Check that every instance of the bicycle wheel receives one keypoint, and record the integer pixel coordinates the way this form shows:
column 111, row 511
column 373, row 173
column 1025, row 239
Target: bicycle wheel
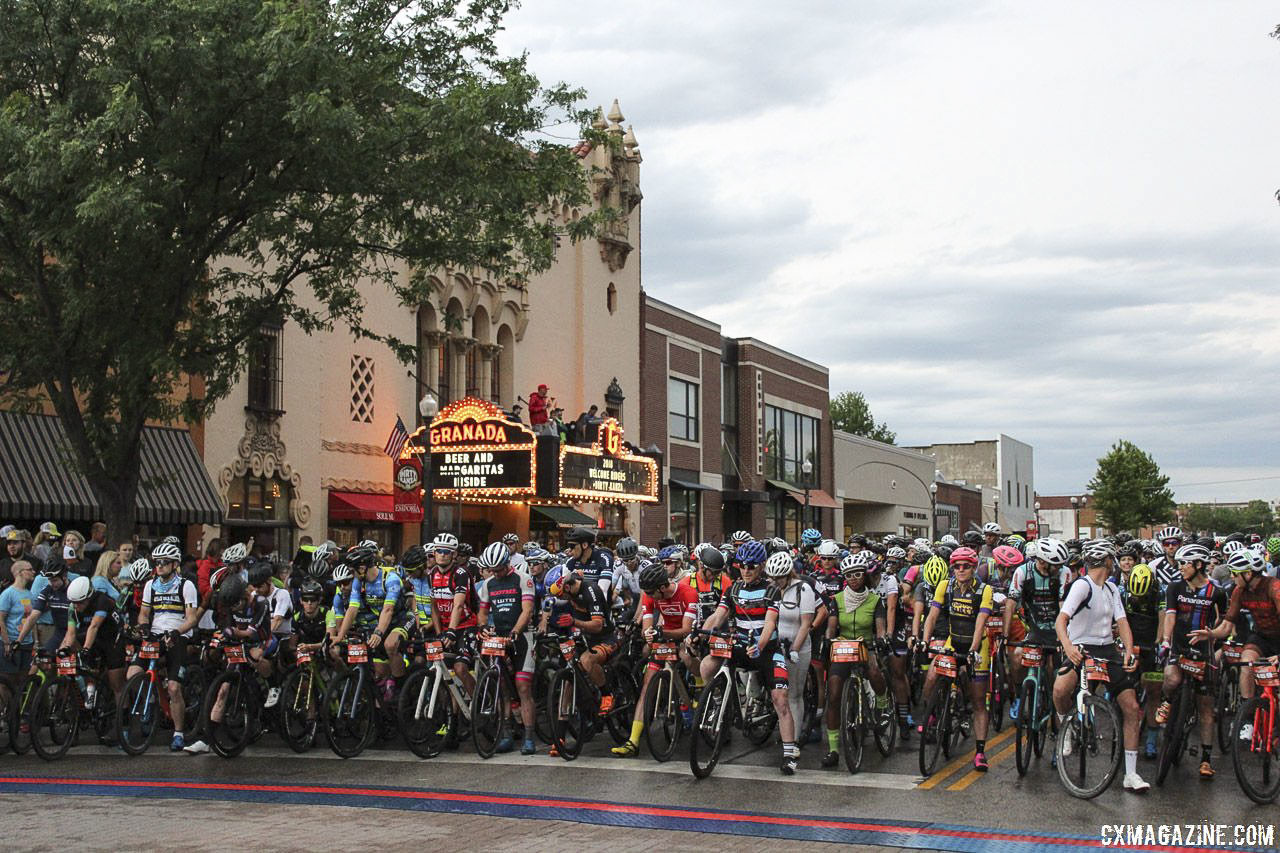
column 1096, row 752
column 542, row 675
column 709, row 726
column 1024, row 735
column 230, row 735
column 102, row 714
column 490, row 707
column 347, row 714
column 570, row 719
column 852, row 723
column 20, row 712
column 884, row 728
column 625, row 696
column 811, row 723
column 996, row 694
column 663, row 722
column 1226, row 704
column 195, row 685
column 1257, row 762
column 931, row 735
column 1172, row 737
column 301, row 695
column 759, row 719
column 138, row 714
column 55, row 717
column 423, row 727
column 949, row 718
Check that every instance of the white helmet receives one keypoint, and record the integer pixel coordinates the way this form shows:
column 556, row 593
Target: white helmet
column 1231, row 547
column 991, row 527
column 828, row 548
column 1191, row 554
column 166, row 551
column 779, row 564
column 341, row 573
column 79, row 590
column 895, row 553
column 1052, row 551
column 1170, row 532
column 445, row 542
column 861, row 560
column 948, row 539
column 494, row 555
column 1097, row 550
column 1246, row 560
column 237, row 553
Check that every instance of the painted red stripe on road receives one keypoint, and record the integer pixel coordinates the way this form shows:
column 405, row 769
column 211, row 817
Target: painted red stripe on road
column 596, row 806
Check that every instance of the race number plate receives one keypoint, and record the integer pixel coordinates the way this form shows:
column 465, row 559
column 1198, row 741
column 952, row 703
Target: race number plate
column 566, row 649
column 304, row 657
column 995, row 624
column 235, row 653
column 946, row 665
column 1231, row 652
column 357, row 653
column 494, row 647
column 215, row 642
column 1032, row 655
column 150, row 650
column 66, row 666
column 846, row 651
column 1192, row 667
column 1267, row 676
column 1096, row 670
column 721, row 647
column 434, row 650
column 664, row 651
column 937, row 647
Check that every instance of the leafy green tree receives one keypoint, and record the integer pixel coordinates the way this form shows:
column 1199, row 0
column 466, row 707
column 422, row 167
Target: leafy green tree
column 1254, row 517
column 850, row 412
column 1129, row 490
column 175, row 173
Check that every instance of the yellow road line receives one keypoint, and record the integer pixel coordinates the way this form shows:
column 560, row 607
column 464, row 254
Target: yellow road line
column 956, row 764
column 976, row 774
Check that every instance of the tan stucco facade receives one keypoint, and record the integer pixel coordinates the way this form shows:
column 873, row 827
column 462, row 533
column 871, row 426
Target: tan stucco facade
column 881, row 488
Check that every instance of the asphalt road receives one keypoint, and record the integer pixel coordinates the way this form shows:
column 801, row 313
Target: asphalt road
column 511, row 801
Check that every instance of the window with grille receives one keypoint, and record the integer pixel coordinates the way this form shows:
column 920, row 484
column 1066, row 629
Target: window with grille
column 265, row 371
column 361, row 389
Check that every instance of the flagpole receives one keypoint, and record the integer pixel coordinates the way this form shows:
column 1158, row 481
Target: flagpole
column 428, row 406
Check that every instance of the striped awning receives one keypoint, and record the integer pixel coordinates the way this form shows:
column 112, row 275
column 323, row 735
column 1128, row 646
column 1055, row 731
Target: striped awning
column 37, row 480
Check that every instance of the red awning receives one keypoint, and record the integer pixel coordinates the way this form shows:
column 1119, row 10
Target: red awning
column 357, row 506
column 817, row 498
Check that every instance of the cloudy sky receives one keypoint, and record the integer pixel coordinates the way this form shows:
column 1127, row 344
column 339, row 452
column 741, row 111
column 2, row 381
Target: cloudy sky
column 1056, row 221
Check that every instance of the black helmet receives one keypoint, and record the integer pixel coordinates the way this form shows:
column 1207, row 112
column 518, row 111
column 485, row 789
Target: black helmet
column 465, row 551
column 414, row 558
column 361, row 555
column 581, row 534
column 652, row 577
column 627, row 548
column 259, row 573
column 712, row 558
column 1207, row 542
column 232, row 591
column 973, row 538
column 858, row 539
column 310, row 589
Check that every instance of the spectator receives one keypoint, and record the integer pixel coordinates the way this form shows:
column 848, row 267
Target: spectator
column 557, row 422
column 96, row 544
column 204, row 568
column 12, row 555
column 15, row 605
column 580, row 427
column 538, row 418
column 46, row 538
column 127, row 553
column 106, row 572
column 73, row 554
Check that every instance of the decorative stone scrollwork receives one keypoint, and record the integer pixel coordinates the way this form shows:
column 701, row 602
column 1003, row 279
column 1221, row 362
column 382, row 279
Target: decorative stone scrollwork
column 262, row 453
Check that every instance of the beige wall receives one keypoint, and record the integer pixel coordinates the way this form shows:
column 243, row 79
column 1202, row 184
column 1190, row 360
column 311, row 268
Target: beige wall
column 878, row 483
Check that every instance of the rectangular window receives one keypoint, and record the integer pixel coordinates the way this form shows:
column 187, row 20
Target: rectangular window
column 1008, row 492
column 473, row 371
column 791, row 439
column 265, row 370
column 682, row 408
column 685, row 516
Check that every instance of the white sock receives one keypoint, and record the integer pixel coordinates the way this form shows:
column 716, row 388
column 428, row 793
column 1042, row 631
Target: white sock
column 1130, row 762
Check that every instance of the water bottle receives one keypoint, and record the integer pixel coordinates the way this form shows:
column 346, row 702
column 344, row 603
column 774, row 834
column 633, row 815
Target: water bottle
column 90, row 694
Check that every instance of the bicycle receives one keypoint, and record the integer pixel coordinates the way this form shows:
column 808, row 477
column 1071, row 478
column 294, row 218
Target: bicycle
column 1257, row 751
column 1226, row 702
column 301, row 697
column 858, row 712
column 1095, row 732
column 947, row 718
column 999, row 683
column 491, row 700
column 574, row 701
column 142, row 706
column 666, row 701
column 74, row 696
column 1184, row 718
column 1035, row 714
column 351, row 708
column 238, row 690
column 549, row 658
column 433, row 704
column 729, row 699
column 20, row 705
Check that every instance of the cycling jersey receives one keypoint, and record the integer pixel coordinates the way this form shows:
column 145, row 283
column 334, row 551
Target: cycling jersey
column 504, row 598
column 312, row 629
column 924, row 593
column 797, row 600
column 169, row 601
column 709, row 593
column 1144, row 617
column 749, row 603
column 1263, row 604
column 1093, row 610
column 249, row 617
column 1166, row 571
column 370, row 596
column 1039, row 596
column 962, row 606
column 596, row 570
column 99, row 604
column 1193, row 609
column 444, row 586
column 683, row 602
column 422, row 595
column 856, row 620
column 280, row 604
column 591, row 600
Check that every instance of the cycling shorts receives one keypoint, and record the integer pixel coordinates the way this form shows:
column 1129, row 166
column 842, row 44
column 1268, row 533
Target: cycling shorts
column 770, row 665
column 111, row 648
column 961, row 647
column 604, row 645
column 1265, row 646
column 1120, row 680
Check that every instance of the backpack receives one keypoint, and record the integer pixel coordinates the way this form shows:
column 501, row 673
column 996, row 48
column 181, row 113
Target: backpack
column 1106, row 584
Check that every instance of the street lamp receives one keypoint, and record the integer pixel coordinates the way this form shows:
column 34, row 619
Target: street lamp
column 428, row 407
column 933, row 510
column 806, row 468
column 1037, row 506
column 1075, row 509
column 995, row 507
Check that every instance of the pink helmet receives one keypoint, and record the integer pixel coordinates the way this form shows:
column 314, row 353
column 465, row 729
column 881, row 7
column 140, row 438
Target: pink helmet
column 964, row 555
column 1005, row 556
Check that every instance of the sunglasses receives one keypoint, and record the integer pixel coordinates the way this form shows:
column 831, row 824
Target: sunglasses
column 670, row 562
column 306, row 600
column 854, row 574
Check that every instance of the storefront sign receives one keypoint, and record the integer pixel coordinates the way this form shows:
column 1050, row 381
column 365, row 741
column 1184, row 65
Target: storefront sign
column 476, row 452
column 407, row 489
column 607, row 470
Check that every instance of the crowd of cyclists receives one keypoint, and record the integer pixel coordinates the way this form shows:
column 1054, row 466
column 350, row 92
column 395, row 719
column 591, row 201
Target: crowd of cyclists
column 919, row 643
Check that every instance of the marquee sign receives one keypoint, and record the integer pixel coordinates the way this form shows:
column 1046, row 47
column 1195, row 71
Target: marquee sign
column 476, row 451
column 607, row 470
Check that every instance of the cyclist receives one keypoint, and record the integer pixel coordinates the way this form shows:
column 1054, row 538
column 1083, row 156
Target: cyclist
column 1166, row 565
column 626, row 572
column 453, row 605
column 343, row 578
column 518, row 560
column 313, row 620
column 413, row 564
column 588, row 611
column 169, row 611
column 506, row 598
column 378, row 605
column 279, row 604
column 1192, row 604
column 991, row 535
column 1092, row 615
column 1030, row 611
column 92, row 627
column 933, row 574
column 797, row 603
column 967, row 602
column 857, row 614
column 594, row 564
column 677, row 604
column 751, row 606
column 1145, row 609
column 709, row 584
column 48, row 599
column 1258, row 594
column 672, row 559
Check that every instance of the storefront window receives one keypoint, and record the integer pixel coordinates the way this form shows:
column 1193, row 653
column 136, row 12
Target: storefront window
column 791, row 438
column 685, row 525
column 782, row 517
column 258, row 509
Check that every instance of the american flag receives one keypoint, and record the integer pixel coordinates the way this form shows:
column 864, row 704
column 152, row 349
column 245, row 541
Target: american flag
column 395, row 441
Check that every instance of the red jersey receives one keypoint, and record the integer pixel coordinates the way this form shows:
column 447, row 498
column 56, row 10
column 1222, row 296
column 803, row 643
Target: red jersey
column 1263, row 605
column 682, row 603
column 444, row 586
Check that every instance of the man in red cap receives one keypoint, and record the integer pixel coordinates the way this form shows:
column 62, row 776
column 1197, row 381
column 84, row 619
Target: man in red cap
column 538, row 409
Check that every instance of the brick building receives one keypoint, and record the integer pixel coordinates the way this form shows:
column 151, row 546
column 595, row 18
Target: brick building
column 736, row 420
column 957, row 508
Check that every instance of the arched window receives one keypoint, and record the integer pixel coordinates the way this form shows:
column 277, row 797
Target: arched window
column 611, row 298
column 504, row 368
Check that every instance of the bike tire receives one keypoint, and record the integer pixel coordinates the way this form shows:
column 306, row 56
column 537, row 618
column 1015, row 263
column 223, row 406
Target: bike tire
column 625, row 696
column 1024, row 735
column 1226, row 704
column 1172, row 736
column 931, row 735
column 812, row 684
column 195, row 684
column 542, row 675
column 20, row 715
column 1098, row 709
column 348, row 715
column 229, row 736
column 570, row 723
column 138, row 714
column 663, row 722
column 422, row 731
column 853, row 730
column 709, row 731
column 55, row 717
column 301, row 696
column 949, row 719
column 759, row 719
column 884, row 729
column 1244, row 756
column 490, row 706
column 996, row 694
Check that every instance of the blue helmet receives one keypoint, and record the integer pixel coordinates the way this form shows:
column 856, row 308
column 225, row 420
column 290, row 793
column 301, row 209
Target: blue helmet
column 671, row 552
column 553, row 574
column 750, row 553
column 810, row 537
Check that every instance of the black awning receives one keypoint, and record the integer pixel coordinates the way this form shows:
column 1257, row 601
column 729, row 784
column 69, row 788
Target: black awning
column 38, row 480
column 689, row 484
column 564, row 516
